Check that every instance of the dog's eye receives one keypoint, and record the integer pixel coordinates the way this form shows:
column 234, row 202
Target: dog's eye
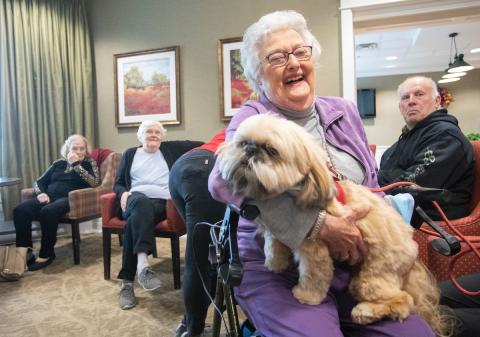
column 271, row 151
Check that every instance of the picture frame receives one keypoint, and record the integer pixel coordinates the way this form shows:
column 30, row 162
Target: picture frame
column 233, row 86
column 147, row 86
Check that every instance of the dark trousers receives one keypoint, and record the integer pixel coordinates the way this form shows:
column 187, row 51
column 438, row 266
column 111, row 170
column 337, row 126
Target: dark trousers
column 465, row 307
column 141, row 214
column 49, row 216
column 189, row 190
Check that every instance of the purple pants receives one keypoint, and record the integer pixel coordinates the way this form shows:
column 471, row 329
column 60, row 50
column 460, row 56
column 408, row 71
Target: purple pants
column 267, row 300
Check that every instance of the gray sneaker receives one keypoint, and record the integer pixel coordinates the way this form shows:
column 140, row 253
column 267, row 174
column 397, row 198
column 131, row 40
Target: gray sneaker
column 180, row 329
column 148, row 280
column 127, row 299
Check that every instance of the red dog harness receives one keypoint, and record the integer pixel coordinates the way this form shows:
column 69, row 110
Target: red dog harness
column 340, row 193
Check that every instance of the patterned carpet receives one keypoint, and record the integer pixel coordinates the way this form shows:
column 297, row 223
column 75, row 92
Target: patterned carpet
column 68, row 300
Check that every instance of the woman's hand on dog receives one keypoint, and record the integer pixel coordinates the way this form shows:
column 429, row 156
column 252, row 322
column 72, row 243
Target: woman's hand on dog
column 343, row 238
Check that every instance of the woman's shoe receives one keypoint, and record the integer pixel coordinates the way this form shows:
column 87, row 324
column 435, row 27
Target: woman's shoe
column 30, row 258
column 40, row 265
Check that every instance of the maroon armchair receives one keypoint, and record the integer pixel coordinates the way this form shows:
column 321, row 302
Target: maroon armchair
column 469, row 226
column 172, row 227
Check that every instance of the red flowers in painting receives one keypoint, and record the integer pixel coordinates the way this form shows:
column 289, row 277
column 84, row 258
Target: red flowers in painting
column 147, row 100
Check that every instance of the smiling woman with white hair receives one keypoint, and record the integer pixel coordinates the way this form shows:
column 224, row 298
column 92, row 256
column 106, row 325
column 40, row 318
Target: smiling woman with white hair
column 76, row 170
column 279, row 57
column 141, row 186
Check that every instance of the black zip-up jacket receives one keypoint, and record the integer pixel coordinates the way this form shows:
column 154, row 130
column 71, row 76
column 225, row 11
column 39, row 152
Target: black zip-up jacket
column 171, row 150
column 435, row 153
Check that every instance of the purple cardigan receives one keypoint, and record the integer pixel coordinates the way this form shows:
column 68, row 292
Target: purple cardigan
column 343, row 129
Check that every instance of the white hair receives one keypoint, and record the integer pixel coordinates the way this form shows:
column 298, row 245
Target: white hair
column 431, row 83
column 143, row 128
column 68, row 143
column 258, row 32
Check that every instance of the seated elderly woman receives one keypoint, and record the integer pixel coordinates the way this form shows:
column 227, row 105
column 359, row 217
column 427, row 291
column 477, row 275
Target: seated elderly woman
column 76, row 170
column 141, row 186
column 278, row 56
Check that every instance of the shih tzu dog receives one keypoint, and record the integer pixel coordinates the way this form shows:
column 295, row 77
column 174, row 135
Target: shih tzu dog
column 269, row 156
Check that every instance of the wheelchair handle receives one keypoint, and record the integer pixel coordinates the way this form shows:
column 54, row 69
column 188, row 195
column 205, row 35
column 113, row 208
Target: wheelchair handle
column 426, row 193
column 448, row 244
column 247, row 211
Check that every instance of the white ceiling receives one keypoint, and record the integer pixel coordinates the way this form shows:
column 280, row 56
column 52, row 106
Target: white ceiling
column 419, row 49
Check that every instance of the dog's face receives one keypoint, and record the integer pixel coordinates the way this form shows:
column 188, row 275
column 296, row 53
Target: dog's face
column 269, row 156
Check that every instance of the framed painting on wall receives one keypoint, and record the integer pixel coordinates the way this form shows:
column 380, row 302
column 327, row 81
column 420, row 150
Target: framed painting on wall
column 234, row 88
column 147, row 86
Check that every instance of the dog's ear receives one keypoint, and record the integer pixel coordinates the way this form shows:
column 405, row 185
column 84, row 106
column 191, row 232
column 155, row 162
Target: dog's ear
column 318, row 187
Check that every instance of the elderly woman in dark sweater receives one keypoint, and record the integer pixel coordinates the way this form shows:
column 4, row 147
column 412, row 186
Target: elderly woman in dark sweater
column 76, row 170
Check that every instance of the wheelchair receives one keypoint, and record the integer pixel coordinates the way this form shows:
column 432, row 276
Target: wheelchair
column 224, row 255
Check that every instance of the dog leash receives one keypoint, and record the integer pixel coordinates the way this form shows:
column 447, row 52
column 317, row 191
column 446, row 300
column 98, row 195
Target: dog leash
column 468, row 240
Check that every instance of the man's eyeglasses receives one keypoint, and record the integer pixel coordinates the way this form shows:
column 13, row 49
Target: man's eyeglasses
column 279, row 58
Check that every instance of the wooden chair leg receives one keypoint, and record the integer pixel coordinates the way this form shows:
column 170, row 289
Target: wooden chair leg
column 175, row 243
column 155, row 253
column 76, row 241
column 107, row 250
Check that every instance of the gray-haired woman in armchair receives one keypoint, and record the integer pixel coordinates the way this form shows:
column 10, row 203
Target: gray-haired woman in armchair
column 75, row 170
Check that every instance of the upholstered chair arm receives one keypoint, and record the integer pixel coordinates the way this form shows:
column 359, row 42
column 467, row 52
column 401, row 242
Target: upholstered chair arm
column 84, row 202
column 108, row 207
column 174, row 217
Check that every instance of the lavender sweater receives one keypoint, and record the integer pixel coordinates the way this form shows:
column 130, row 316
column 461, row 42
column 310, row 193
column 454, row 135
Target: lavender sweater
column 343, row 129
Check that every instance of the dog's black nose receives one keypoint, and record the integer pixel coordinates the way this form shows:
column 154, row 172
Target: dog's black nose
column 250, row 148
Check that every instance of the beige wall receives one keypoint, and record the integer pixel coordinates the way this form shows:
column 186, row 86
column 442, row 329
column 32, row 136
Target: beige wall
column 386, row 127
column 119, row 26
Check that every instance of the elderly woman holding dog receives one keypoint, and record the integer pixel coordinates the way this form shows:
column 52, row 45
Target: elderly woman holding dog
column 74, row 171
column 279, row 57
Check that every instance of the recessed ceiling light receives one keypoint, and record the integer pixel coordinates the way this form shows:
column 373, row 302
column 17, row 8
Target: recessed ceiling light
column 391, row 58
column 447, row 80
column 475, row 50
column 452, row 75
column 391, row 66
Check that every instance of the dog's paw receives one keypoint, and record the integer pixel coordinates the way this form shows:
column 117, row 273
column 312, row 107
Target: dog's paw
column 308, row 296
column 366, row 313
column 276, row 265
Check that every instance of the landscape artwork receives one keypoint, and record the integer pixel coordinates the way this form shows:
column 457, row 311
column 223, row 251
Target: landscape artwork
column 147, row 87
column 234, row 88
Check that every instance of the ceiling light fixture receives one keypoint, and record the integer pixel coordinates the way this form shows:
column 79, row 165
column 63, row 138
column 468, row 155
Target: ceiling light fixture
column 458, row 65
column 448, row 80
column 475, row 50
column 451, row 75
column 391, row 58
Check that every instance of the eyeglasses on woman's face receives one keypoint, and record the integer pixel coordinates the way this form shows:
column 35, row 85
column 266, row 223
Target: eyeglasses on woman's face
column 279, row 58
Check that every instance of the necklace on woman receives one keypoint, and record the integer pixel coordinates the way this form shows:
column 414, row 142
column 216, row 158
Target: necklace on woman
column 330, row 165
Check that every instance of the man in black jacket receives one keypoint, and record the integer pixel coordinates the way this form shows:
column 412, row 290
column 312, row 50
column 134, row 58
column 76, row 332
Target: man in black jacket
column 431, row 150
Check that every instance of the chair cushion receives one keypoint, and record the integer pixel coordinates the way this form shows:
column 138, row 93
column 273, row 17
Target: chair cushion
column 162, row 226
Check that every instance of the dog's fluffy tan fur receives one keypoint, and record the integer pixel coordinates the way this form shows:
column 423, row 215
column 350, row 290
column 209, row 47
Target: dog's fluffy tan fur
column 269, row 156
